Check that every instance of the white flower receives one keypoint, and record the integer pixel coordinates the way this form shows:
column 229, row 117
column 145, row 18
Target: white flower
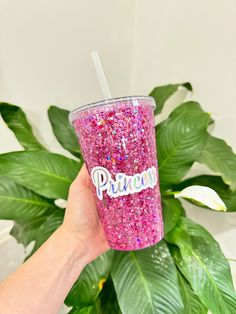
column 203, row 195
column 60, row 203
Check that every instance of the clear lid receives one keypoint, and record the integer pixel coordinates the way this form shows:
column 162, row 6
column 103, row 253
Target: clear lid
column 108, row 102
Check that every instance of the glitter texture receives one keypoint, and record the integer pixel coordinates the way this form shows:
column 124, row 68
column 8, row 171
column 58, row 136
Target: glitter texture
column 121, row 138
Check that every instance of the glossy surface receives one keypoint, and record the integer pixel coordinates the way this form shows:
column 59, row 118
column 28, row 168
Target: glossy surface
column 121, row 138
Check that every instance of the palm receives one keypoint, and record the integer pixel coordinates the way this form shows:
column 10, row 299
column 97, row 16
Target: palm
column 81, row 215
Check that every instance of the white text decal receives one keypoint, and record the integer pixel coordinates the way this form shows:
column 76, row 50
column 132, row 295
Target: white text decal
column 123, row 184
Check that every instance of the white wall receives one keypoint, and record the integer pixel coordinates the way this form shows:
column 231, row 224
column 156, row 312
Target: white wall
column 44, row 59
column 178, row 41
column 45, row 55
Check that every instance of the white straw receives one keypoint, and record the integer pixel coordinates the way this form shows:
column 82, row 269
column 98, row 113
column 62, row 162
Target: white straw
column 101, row 75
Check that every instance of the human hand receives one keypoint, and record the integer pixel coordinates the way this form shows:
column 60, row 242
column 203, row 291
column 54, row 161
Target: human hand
column 57, row 264
column 81, row 219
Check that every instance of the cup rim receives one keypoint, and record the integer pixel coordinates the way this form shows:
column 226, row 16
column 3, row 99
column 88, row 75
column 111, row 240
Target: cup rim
column 108, row 102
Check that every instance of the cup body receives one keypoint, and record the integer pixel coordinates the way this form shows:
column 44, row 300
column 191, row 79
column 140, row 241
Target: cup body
column 117, row 140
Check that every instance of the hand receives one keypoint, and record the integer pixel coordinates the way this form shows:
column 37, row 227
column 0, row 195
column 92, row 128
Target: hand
column 81, row 218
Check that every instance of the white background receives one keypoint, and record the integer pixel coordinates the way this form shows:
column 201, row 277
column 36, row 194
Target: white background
column 44, row 59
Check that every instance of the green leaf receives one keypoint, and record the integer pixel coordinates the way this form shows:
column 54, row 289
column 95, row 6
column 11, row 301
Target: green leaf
column 43, row 232
column 16, row 120
column 187, row 107
column 90, row 282
column 216, row 183
column 146, row 281
column 92, row 309
column 162, row 93
column 108, row 298
column 63, row 131
column 24, row 231
column 172, row 211
column 220, row 158
column 17, row 202
column 179, row 142
column 192, row 303
column 203, row 264
column 45, row 173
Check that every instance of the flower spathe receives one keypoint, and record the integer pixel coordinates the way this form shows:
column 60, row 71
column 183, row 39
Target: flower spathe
column 203, row 195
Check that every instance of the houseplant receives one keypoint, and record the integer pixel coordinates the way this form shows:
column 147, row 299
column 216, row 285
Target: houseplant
column 184, row 273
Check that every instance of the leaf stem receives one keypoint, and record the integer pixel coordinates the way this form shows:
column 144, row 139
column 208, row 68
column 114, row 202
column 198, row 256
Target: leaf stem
column 168, row 193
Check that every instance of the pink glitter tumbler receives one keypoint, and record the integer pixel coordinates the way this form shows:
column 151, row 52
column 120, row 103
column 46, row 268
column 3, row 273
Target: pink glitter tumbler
column 117, row 139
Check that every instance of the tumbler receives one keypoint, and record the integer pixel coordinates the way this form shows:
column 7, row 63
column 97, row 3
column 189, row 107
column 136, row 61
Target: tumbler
column 117, row 140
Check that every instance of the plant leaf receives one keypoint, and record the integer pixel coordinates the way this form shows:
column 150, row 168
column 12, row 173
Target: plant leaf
column 203, row 195
column 203, row 264
column 16, row 120
column 24, row 231
column 187, row 107
column 171, row 210
column 162, row 93
column 92, row 309
column 90, row 282
column 220, row 158
column 217, row 184
column 45, row 173
column 192, row 303
column 63, row 131
column 17, row 202
column 108, row 298
column 179, row 142
column 146, row 281
column 46, row 228
column 42, row 230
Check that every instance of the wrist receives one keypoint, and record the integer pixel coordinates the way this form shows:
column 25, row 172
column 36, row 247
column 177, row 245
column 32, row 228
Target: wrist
column 75, row 250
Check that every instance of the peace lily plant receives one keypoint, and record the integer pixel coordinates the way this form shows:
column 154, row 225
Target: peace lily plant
column 184, row 273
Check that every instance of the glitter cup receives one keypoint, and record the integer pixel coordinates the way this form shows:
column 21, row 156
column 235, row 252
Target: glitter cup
column 117, row 140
